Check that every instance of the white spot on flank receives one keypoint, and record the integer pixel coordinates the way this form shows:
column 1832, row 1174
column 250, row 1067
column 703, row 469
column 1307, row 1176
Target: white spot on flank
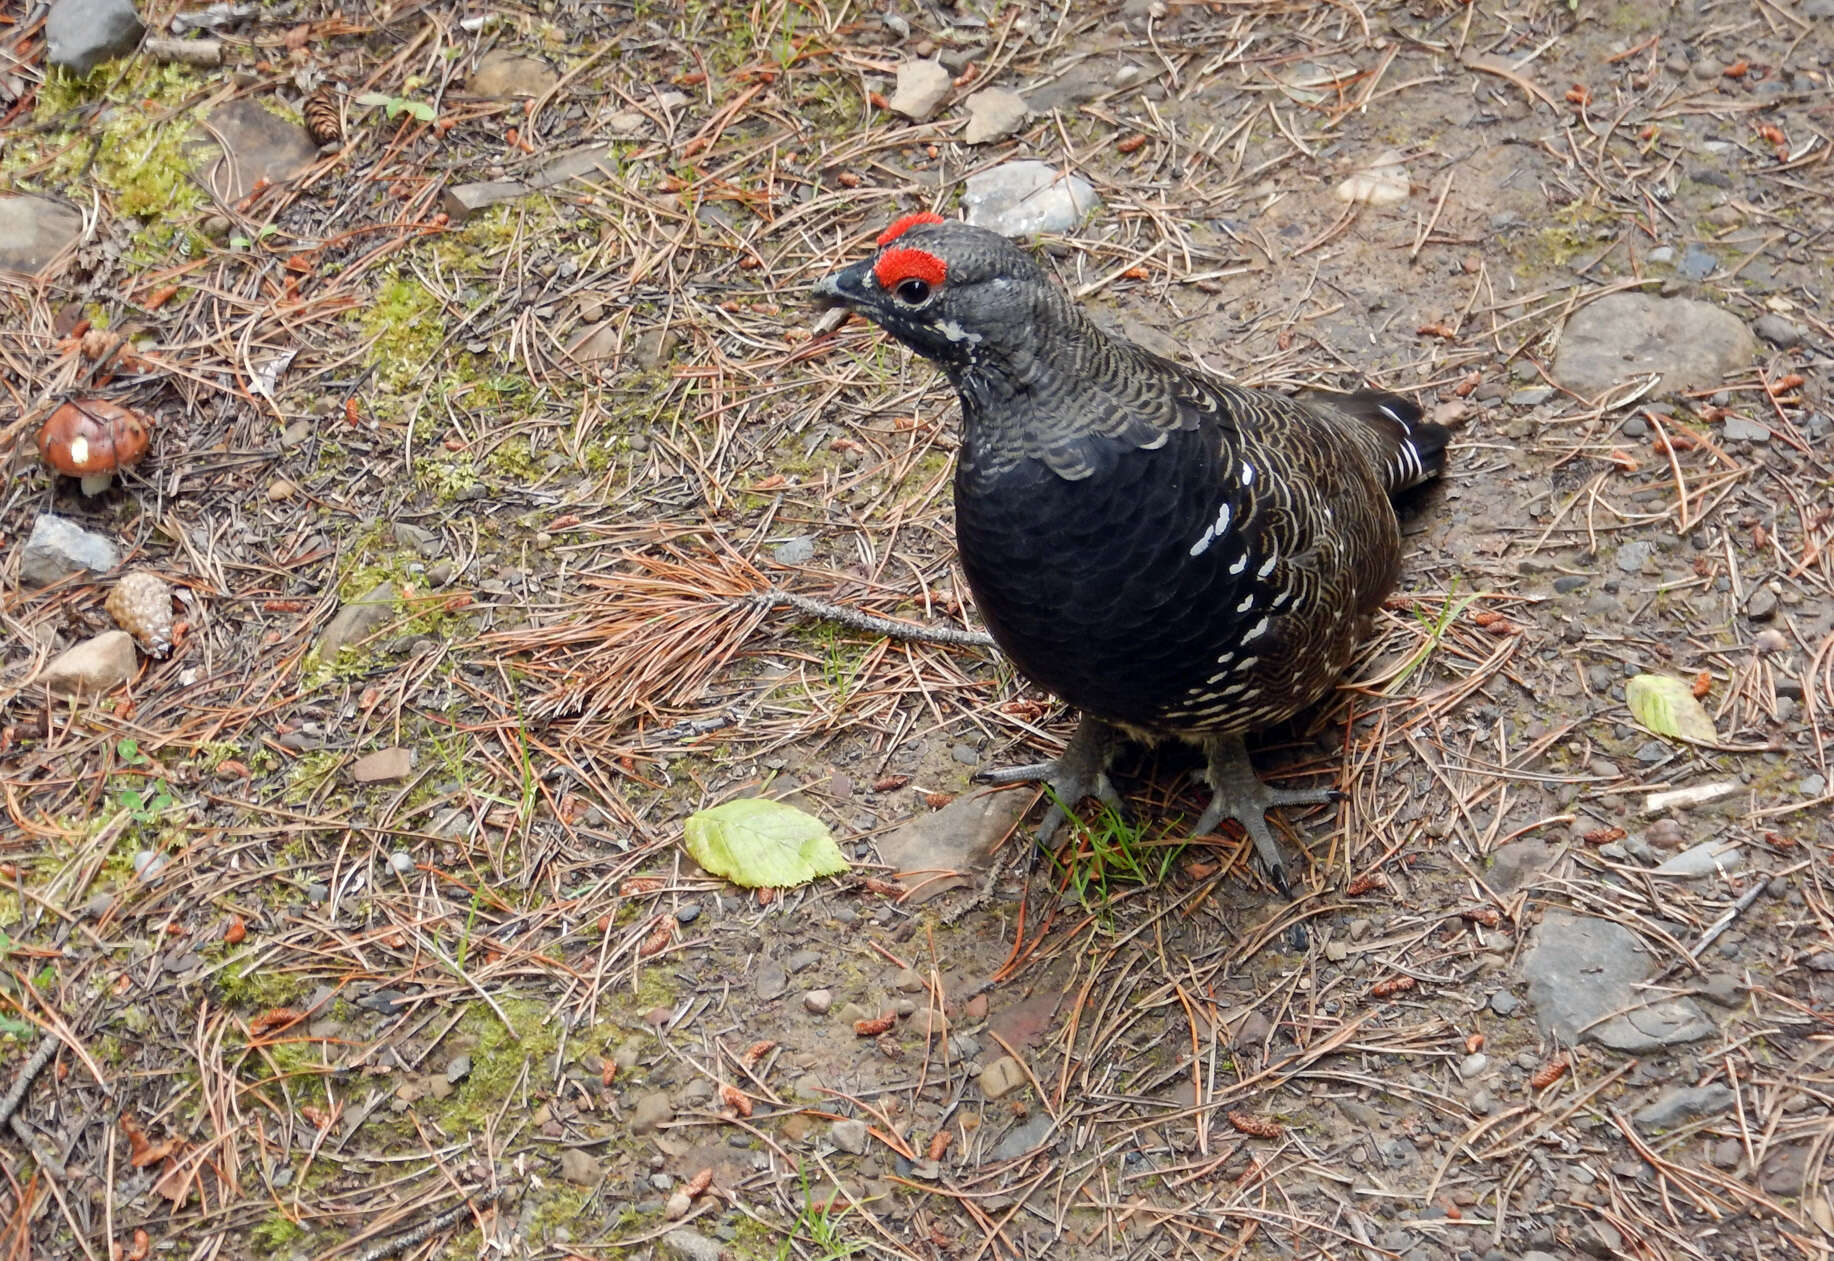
column 1248, row 602
column 1255, row 632
column 1249, row 663
column 1267, row 566
column 1241, row 563
column 1209, row 536
column 1157, row 442
column 1248, row 473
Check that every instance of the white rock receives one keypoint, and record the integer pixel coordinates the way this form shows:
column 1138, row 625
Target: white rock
column 93, row 666
column 1383, row 181
column 1027, row 197
column 994, row 114
column 921, row 87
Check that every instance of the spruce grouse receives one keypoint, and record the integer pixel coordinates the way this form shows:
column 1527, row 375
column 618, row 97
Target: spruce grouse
column 1172, row 555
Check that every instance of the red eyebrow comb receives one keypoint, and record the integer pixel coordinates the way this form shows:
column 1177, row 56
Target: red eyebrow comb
column 905, row 224
column 897, row 266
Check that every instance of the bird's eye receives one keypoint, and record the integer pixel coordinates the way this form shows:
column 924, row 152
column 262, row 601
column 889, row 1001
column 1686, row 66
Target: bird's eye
column 913, row 291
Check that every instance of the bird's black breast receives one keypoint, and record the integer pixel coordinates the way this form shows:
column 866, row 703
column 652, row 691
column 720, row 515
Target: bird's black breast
column 1130, row 592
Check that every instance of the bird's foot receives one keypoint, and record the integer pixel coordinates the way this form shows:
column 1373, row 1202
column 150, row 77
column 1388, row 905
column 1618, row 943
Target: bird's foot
column 1239, row 794
column 1081, row 771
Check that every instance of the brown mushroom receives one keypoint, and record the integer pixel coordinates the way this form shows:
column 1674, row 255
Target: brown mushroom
column 92, row 438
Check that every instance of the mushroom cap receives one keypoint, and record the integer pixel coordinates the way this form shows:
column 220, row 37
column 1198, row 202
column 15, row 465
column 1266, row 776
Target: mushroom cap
column 92, row 436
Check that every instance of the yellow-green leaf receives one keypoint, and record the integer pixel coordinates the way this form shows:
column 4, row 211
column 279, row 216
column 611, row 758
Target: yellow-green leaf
column 760, row 843
column 1667, row 707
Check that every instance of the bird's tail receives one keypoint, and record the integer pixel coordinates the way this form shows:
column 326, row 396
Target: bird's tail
column 1415, row 449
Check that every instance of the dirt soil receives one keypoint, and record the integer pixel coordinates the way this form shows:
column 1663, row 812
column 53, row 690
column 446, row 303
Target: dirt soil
column 386, row 944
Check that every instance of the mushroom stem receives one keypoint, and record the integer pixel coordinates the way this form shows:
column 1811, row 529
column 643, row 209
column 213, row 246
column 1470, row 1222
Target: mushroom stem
column 96, row 483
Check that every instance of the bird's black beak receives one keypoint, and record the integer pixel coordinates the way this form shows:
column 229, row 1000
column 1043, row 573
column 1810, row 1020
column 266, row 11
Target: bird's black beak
column 851, row 288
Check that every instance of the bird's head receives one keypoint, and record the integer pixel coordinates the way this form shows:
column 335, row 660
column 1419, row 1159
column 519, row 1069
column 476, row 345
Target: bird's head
column 956, row 294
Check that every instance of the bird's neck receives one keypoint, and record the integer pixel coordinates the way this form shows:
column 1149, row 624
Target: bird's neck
column 1047, row 393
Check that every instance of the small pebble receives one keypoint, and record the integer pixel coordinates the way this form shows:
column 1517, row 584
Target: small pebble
column 818, row 1001
column 1473, row 1065
column 401, row 861
column 687, row 913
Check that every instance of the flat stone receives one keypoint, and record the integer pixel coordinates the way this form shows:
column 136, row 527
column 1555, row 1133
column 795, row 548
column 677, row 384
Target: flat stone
column 1685, row 1103
column 1690, row 344
column 994, row 114
column 358, row 620
column 770, row 981
column 682, row 1244
column 1778, row 331
column 849, row 1136
column 91, row 667
column 651, row 1111
column 1025, row 1137
column 1002, row 1077
column 921, row 87
column 383, row 765
column 462, row 201
column 1705, row 859
column 1027, row 197
column 1631, row 557
column 58, row 548
column 34, row 231
column 503, row 75
column 580, row 1167
column 956, row 839
column 244, row 145
column 1581, row 969
column 1737, row 428
column 81, row 34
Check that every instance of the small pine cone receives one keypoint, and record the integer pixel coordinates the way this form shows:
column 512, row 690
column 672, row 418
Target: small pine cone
column 323, row 123
column 141, row 605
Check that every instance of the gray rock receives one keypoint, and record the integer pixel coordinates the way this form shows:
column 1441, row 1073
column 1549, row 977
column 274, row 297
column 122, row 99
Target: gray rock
column 994, row 114
column 358, row 620
column 462, row 201
column 682, row 1244
column 245, row 145
column 1503, row 1003
column 81, row 34
column 770, row 981
column 1778, row 331
column 1631, row 557
column 91, row 667
column 818, row 1002
column 1697, row 262
column 1027, row 197
column 921, row 87
column 796, row 551
column 849, row 1136
column 58, row 548
column 1580, row 970
column 1737, row 428
column 1685, row 1103
column 1023, row 1138
column 1704, row 859
column 1533, row 396
column 1691, row 345
column 34, row 231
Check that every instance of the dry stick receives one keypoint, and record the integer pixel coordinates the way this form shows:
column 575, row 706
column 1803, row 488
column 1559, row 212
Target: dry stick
column 47, row 1047
column 810, row 607
column 426, row 1230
